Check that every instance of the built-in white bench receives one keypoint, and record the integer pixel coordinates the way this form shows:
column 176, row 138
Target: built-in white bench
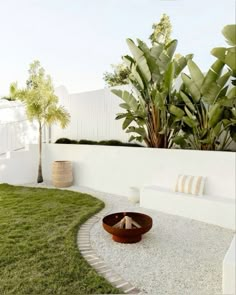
column 211, row 209
column 229, row 266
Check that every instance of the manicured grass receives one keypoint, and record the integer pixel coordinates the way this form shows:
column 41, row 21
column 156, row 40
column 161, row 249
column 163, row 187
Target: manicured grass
column 38, row 251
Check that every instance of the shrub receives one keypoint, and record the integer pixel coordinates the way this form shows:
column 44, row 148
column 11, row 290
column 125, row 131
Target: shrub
column 66, row 141
column 111, row 142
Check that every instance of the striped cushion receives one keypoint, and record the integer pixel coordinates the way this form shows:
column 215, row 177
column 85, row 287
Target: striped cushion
column 190, row 184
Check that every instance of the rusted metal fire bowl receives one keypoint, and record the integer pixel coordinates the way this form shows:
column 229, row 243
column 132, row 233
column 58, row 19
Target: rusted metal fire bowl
column 133, row 235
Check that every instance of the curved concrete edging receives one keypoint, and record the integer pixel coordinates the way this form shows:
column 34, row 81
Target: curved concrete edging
column 90, row 254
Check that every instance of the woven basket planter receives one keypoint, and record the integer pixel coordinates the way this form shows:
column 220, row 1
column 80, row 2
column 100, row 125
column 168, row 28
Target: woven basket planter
column 62, row 174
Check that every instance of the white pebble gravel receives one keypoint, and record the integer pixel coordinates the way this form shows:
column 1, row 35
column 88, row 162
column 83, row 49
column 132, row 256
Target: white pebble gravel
column 178, row 256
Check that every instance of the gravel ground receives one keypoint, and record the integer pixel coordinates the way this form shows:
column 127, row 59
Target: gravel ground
column 178, row 256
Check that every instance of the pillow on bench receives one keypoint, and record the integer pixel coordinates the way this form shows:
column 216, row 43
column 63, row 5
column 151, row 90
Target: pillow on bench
column 190, row 184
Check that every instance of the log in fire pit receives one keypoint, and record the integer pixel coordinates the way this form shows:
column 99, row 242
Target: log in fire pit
column 127, row 227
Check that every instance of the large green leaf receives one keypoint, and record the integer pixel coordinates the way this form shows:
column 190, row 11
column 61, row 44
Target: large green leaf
column 136, row 78
column 151, row 61
column 121, row 116
column 156, row 51
column 124, row 106
column 189, row 114
column 209, row 86
column 226, row 55
column 219, row 52
column 187, row 101
column 128, row 60
column 217, row 129
column 215, row 114
column 230, row 58
column 170, row 48
column 223, row 80
column 213, row 73
column 176, row 111
column 213, row 90
column 128, row 120
column 140, row 60
column 196, row 74
column 181, row 63
column 169, row 76
column 192, row 87
column 229, row 32
column 227, row 102
column 232, row 93
column 143, row 46
column 139, row 130
column 158, row 100
column 127, row 97
column 190, row 122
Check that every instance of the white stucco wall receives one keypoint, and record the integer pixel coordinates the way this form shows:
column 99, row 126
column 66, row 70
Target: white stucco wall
column 15, row 129
column 115, row 169
column 20, row 167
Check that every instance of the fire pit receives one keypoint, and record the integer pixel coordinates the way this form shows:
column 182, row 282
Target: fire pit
column 127, row 227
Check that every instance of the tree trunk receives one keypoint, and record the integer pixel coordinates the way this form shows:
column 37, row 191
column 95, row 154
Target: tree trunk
column 40, row 174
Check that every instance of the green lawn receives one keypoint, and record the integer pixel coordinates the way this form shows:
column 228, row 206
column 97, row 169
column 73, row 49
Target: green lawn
column 38, row 251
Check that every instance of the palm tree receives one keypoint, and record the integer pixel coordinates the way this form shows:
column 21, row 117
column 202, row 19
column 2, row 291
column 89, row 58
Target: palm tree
column 41, row 104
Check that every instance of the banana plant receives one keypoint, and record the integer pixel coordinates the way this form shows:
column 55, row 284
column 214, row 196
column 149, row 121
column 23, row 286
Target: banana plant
column 146, row 106
column 228, row 55
column 208, row 106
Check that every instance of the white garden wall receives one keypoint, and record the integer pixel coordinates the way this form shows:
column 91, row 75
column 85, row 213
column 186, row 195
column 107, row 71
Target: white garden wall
column 115, row 169
column 19, row 167
column 15, row 130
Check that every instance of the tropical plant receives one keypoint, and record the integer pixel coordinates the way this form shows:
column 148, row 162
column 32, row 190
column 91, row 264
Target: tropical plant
column 161, row 31
column 207, row 107
column 228, row 55
column 41, row 104
column 147, row 106
column 119, row 76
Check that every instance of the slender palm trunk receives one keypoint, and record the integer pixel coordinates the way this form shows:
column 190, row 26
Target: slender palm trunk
column 40, row 174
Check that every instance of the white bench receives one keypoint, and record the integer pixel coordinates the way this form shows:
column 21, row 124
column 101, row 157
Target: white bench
column 211, row 209
column 228, row 282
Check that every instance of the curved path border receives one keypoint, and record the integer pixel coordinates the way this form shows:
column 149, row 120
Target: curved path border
column 91, row 256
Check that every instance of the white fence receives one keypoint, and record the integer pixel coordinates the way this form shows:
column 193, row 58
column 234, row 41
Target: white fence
column 92, row 116
column 15, row 130
column 12, row 136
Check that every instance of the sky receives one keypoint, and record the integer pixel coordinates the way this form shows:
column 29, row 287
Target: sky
column 76, row 41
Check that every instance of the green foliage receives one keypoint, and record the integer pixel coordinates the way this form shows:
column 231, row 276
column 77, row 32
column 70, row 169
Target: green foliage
column 146, row 107
column 201, row 115
column 161, row 31
column 111, row 142
column 40, row 102
column 38, row 96
column 207, row 107
column 228, row 55
column 38, row 249
column 119, row 76
column 64, row 140
column 121, row 72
